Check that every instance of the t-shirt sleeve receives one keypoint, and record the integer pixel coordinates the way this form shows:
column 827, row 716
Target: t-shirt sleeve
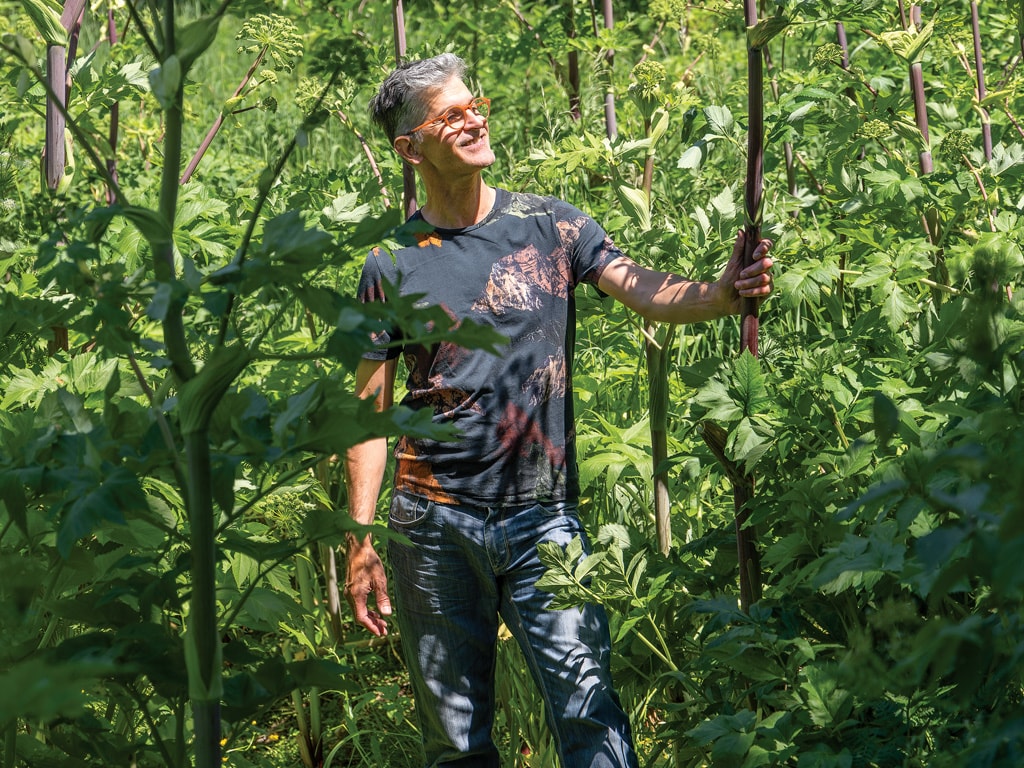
column 591, row 251
column 371, row 289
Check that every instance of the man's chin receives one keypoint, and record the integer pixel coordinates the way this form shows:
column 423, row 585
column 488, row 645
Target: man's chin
column 481, row 160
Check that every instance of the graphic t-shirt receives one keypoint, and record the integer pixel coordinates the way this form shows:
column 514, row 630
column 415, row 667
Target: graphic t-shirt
column 516, row 271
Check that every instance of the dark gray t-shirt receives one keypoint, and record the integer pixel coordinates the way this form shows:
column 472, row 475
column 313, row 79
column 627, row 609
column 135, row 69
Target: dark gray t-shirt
column 516, row 271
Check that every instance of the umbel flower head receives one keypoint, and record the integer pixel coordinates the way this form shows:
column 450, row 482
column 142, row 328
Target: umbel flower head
column 954, row 146
column 874, row 129
column 648, row 77
column 827, row 55
column 667, row 11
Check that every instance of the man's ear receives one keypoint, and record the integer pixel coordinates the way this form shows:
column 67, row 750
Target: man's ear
column 408, row 150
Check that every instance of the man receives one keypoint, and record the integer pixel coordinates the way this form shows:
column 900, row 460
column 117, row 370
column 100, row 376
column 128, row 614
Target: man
column 475, row 508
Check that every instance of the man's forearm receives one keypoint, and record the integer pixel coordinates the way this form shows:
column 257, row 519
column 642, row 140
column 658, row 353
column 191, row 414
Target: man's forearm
column 364, row 474
column 663, row 296
column 678, row 300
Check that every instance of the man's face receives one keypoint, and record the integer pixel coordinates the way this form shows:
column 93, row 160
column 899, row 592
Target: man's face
column 466, row 147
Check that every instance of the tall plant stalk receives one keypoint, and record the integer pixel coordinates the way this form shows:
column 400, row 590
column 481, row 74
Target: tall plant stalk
column 979, row 71
column 647, row 93
column 408, row 174
column 746, row 543
column 310, row 735
column 274, row 38
column 930, row 217
column 920, row 104
column 54, row 156
column 657, row 345
column 573, row 65
column 203, row 655
column 714, row 436
column 852, row 96
column 115, row 114
column 610, row 123
column 787, row 146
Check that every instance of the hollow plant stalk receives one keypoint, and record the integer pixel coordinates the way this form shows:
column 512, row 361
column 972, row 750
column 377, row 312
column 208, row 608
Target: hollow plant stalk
column 746, row 541
column 657, row 343
column 610, row 123
column 54, row 153
column 310, row 736
column 219, row 121
column 203, row 657
column 573, row 64
column 930, row 217
column 979, row 71
column 920, row 104
column 115, row 113
column 852, row 96
column 408, row 174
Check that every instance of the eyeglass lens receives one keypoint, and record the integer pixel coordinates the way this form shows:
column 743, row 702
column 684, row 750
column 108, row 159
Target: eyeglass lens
column 456, row 116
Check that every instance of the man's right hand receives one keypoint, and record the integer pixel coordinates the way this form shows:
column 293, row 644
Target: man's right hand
column 365, row 574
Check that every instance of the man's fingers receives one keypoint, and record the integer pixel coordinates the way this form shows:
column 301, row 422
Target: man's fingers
column 383, row 601
column 755, row 286
column 375, row 624
column 358, row 595
column 370, row 619
column 738, row 245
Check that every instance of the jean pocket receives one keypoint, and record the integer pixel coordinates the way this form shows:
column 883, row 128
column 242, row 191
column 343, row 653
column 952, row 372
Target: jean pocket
column 557, row 508
column 408, row 510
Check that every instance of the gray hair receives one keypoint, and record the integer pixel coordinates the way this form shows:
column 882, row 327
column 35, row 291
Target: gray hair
column 400, row 104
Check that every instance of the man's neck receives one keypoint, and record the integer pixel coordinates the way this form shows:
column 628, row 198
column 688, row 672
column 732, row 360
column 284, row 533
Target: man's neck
column 455, row 206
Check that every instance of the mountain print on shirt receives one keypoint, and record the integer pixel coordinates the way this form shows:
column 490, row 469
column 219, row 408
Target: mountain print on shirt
column 517, row 270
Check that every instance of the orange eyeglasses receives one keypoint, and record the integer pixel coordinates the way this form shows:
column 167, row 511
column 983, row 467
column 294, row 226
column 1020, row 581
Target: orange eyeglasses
column 455, row 117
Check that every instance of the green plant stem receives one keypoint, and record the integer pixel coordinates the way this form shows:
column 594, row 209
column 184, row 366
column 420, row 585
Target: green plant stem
column 304, row 573
column 151, row 724
column 202, row 619
column 154, row 50
column 662, row 652
column 979, row 69
column 160, row 418
column 11, row 744
column 53, row 621
column 325, row 556
column 219, row 121
column 657, row 374
column 610, row 122
column 304, row 738
column 163, row 248
column 839, row 427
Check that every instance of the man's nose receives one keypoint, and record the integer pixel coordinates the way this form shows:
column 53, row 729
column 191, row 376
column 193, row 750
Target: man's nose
column 474, row 119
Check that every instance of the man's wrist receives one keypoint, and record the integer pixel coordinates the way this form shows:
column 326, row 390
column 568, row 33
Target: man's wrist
column 356, row 543
column 720, row 298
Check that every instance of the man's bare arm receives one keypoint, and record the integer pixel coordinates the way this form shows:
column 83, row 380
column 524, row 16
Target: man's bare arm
column 667, row 297
column 364, row 473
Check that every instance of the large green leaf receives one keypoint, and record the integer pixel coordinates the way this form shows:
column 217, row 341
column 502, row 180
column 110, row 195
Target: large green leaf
column 118, row 491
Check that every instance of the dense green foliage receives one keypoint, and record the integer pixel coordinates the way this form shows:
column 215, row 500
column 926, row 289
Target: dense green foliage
column 175, row 364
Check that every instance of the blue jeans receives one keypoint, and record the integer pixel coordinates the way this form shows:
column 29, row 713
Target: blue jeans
column 467, row 566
